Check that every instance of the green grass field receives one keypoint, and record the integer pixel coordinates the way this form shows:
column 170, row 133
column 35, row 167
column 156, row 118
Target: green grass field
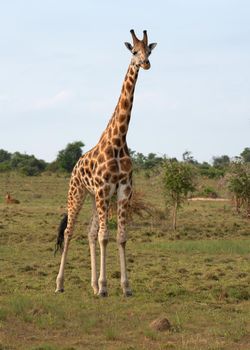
column 197, row 277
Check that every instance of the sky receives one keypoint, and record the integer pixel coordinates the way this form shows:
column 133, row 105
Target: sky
column 62, row 64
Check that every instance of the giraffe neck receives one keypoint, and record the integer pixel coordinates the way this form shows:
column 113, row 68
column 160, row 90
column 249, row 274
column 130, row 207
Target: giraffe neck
column 118, row 125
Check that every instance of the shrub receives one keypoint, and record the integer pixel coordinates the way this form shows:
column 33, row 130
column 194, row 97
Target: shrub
column 238, row 180
column 178, row 181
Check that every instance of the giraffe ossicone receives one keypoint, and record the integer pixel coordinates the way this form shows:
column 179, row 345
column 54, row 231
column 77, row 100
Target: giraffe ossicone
column 101, row 172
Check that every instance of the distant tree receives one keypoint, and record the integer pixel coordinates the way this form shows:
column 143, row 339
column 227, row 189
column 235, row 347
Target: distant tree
column 238, row 180
column 221, row 162
column 68, row 157
column 27, row 164
column 32, row 166
column 188, row 158
column 178, row 181
column 206, row 169
column 151, row 161
column 140, row 161
column 245, row 154
column 4, row 155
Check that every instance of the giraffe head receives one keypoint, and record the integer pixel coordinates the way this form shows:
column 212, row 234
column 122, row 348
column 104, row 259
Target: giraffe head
column 140, row 50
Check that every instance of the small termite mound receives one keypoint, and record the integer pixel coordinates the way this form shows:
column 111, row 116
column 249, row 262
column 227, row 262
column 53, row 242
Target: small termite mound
column 161, row 324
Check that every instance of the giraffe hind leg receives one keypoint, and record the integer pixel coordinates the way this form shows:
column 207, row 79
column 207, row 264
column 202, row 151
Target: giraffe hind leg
column 123, row 196
column 75, row 201
column 92, row 235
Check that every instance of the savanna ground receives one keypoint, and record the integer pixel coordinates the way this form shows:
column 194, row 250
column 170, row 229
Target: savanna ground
column 197, row 277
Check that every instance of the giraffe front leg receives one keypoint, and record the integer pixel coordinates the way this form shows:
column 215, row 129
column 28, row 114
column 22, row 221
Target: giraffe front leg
column 93, row 233
column 123, row 195
column 102, row 210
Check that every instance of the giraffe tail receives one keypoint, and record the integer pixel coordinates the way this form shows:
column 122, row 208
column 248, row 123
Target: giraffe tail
column 60, row 235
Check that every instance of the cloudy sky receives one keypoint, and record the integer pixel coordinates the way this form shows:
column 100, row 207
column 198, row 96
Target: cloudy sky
column 62, row 64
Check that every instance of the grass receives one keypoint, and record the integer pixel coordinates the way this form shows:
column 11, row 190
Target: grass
column 240, row 247
column 197, row 277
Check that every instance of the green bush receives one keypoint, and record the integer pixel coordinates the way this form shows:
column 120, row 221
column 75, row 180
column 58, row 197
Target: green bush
column 178, row 181
column 208, row 192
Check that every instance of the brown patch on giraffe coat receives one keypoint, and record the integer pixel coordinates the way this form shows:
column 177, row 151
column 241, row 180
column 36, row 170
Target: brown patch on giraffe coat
column 106, row 176
column 92, row 164
column 77, row 181
column 122, row 118
column 113, row 166
column 116, row 142
column 101, row 169
column 126, row 164
column 121, row 153
column 103, row 143
column 109, row 153
column 123, row 128
column 96, row 152
column 131, row 71
column 82, row 171
column 101, row 202
column 122, row 222
column 131, row 79
column 100, row 158
column 86, row 180
column 101, row 193
column 106, row 190
column 129, row 87
column 98, row 181
column 114, row 179
column 122, row 176
column 127, row 191
column 124, row 103
column 115, row 131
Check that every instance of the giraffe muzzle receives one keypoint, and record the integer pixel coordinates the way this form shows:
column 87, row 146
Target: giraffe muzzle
column 145, row 64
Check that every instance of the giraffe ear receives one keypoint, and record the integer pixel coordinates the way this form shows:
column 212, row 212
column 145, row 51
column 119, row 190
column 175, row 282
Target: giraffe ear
column 152, row 46
column 128, row 46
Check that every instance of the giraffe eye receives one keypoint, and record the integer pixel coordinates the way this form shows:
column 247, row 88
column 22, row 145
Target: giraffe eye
column 135, row 53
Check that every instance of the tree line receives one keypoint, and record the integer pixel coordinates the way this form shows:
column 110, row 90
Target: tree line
column 67, row 158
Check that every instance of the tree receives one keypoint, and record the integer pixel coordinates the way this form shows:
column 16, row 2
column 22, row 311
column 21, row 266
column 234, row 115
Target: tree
column 188, row 158
column 178, row 181
column 27, row 164
column 4, row 155
column 239, row 185
column 221, row 161
column 245, row 154
column 32, row 166
column 68, row 157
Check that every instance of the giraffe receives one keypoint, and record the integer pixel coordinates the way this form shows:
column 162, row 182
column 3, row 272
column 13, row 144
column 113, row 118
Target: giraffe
column 103, row 171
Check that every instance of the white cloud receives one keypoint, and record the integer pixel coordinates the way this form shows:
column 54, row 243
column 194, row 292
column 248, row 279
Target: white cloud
column 53, row 101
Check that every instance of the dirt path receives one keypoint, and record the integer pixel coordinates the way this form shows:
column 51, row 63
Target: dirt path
column 209, row 199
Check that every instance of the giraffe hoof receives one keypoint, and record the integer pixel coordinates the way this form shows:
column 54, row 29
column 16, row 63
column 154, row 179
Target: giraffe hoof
column 103, row 294
column 128, row 293
column 61, row 290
